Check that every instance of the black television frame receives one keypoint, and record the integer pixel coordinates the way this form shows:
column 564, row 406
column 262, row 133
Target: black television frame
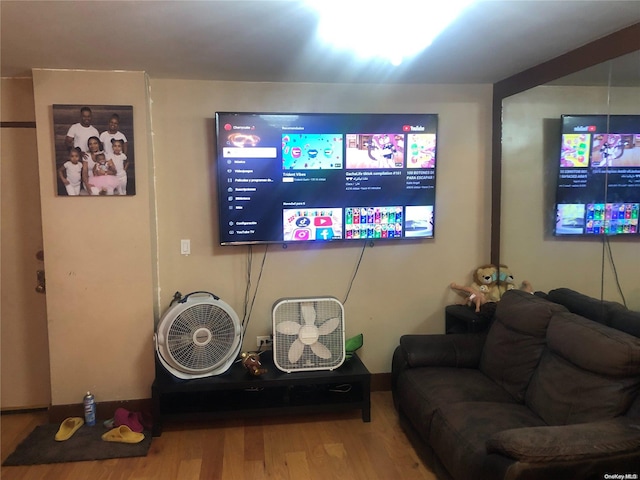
column 254, row 170
column 598, row 180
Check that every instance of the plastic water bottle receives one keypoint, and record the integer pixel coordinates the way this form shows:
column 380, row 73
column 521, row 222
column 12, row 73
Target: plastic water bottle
column 89, row 409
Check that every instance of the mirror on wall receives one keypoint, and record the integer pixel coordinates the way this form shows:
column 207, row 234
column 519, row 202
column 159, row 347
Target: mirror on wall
column 604, row 266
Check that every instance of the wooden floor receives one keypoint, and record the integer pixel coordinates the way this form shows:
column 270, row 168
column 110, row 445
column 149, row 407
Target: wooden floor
column 286, row 448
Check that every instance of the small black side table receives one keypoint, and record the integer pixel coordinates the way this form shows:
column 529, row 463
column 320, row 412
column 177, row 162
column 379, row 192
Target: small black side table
column 237, row 393
column 464, row 319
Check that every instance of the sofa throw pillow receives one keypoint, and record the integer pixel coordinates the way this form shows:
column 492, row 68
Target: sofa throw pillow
column 516, row 339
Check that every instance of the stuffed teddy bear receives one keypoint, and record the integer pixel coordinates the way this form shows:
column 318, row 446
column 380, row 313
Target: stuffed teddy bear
column 482, row 289
column 485, row 280
column 489, row 284
column 506, row 281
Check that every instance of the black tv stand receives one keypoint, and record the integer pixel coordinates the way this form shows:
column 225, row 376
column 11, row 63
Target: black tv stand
column 237, row 393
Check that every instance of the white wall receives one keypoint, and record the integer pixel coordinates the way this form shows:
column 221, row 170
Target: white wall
column 400, row 288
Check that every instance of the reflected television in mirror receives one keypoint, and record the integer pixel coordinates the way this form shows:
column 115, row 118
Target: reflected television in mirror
column 598, row 182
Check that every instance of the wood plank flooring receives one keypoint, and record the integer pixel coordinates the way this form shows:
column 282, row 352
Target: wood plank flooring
column 284, row 448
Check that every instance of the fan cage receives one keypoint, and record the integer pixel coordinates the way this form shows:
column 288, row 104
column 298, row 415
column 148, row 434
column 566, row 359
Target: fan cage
column 289, row 310
column 198, row 338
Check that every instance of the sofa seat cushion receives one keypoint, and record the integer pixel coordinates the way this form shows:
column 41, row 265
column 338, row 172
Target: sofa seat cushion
column 459, row 432
column 420, row 391
column 589, row 372
column 568, row 442
column 516, row 339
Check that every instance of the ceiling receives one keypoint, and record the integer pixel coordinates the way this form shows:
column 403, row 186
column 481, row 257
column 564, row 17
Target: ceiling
column 274, row 40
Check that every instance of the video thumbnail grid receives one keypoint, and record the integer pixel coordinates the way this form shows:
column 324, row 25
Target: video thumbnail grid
column 312, row 224
column 598, row 218
column 612, row 218
column 373, row 222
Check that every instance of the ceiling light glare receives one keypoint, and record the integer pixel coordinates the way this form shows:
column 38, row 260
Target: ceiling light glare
column 393, row 31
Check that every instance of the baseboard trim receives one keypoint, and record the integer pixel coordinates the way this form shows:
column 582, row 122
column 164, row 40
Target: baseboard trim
column 19, row 410
column 104, row 410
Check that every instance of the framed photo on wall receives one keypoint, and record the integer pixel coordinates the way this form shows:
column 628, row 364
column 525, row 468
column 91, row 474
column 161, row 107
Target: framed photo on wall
column 94, row 150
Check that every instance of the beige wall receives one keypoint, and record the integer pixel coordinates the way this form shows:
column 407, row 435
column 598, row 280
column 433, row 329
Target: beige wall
column 105, row 344
column 530, row 148
column 108, row 283
column 400, row 288
column 100, row 253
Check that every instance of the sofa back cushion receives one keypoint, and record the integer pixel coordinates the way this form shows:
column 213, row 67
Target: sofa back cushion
column 516, row 339
column 627, row 321
column 587, row 372
column 594, row 309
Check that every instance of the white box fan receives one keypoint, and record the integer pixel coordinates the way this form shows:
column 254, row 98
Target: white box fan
column 199, row 336
column 308, row 334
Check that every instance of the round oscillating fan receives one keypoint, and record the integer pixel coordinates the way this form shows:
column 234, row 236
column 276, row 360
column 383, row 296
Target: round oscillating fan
column 198, row 337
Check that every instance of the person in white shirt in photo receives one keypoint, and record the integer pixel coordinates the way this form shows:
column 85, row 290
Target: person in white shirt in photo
column 113, row 132
column 79, row 133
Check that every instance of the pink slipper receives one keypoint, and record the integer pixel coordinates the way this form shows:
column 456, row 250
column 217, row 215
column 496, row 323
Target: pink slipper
column 145, row 419
column 130, row 419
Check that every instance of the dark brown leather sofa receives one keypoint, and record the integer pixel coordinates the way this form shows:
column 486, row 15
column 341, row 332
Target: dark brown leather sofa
column 551, row 391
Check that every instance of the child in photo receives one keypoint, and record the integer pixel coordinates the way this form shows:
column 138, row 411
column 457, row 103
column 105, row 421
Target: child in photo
column 121, row 164
column 89, row 160
column 104, row 181
column 113, row 133
column 70, row 173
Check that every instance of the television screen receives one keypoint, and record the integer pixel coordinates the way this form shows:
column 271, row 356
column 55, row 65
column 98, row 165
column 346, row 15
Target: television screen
column 285, row 177
column 598, row 189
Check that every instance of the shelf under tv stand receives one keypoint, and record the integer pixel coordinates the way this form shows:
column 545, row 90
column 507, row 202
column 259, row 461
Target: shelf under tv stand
column 239, row 394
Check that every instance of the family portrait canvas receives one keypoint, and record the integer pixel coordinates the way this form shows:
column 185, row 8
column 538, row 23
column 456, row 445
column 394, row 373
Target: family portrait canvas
column 94, row 150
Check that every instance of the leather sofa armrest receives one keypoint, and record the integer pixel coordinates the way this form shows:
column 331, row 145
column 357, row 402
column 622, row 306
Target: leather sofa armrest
column 568, row 442
column 455, row 350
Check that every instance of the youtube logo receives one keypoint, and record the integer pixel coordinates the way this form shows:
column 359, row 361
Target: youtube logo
column 413, row 128
column 322, row 221
column 585, row 128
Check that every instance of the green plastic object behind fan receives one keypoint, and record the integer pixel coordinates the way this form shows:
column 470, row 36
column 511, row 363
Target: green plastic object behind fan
column 351, row 345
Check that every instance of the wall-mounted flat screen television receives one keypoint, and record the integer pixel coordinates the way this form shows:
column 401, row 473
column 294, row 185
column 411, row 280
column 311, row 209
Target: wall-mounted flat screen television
column 598, row 189
column 287, row 177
